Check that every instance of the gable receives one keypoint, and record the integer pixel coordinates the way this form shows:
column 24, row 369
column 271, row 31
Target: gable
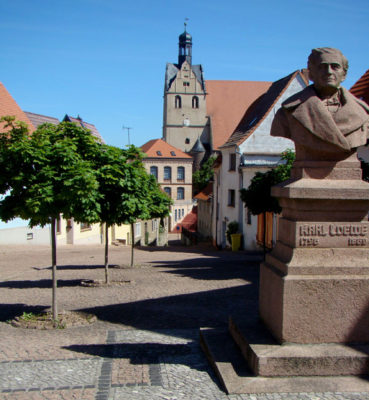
column 257, row 139
column 8, row 106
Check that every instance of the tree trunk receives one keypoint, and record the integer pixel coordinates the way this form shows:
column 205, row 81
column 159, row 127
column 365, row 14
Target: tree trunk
column 106, row 253
column 53, row 261
column 132, row 246
column 264, row 235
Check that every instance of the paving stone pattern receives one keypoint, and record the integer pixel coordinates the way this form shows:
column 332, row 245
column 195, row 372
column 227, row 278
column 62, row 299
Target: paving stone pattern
column 145, row 345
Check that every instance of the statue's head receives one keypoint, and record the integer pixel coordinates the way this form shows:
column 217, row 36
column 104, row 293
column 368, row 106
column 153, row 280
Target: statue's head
column 327, row 69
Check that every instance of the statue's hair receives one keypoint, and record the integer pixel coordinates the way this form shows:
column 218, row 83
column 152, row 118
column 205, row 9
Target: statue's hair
column 316, row 54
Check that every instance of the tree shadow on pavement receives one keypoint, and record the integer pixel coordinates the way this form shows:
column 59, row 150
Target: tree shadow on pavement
column 81, row 266
column 10, row 311
column 40, row 284
column 194, row 310
column 212, row 269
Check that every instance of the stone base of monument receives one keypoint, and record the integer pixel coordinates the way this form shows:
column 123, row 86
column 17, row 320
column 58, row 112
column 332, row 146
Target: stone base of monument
column 243, row 358
column 314, row 292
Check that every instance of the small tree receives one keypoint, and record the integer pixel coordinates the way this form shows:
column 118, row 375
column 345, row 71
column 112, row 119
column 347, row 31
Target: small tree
column 47, row 174
column 204, row 175
column 257, row 197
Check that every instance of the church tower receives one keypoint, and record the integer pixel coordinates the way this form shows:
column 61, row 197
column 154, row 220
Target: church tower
column 184, row 117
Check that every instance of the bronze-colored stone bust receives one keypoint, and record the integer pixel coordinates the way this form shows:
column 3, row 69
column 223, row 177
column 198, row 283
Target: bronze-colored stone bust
column 325, row 121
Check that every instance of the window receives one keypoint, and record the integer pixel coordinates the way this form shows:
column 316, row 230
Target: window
column 167, row 173
column 168, row 191
column 195, row 102
column 186, row 83
column 154, row 224
column 175, row 215
column 137, row 229
column 187, row 141
column 248, row 216
column 231, row 198
column 159, row 153
column 180, row 193
column 182, row 212
column 173, row 153
column 85, row 226
column 180, row 173
column 232, row 162
column 154, row 171
column 178, row 102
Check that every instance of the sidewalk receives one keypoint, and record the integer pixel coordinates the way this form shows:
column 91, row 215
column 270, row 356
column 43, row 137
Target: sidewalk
column 145, row 344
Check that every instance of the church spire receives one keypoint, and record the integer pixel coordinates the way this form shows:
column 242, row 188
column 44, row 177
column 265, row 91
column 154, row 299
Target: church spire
column 185, row 46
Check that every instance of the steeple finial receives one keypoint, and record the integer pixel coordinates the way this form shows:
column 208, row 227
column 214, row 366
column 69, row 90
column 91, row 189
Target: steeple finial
column 185, row 24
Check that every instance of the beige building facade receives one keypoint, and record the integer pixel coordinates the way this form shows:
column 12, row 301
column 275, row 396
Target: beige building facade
column 173, row 171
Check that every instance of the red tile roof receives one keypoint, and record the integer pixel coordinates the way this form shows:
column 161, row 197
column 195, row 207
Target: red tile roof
column 38, row 119
column 205, row 193
column 226, row 103
column 260, row 108
column 361, row 88
column 8, row 106
column 79, row 121
column 158, row 148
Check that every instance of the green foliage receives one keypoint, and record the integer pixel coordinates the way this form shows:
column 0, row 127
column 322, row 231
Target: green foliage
column 257, row 197
column 204, row 175
column 48, row 173
column 233, row 227
column 127, row 191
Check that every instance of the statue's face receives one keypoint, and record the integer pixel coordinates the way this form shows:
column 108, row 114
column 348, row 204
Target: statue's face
column 327, row 73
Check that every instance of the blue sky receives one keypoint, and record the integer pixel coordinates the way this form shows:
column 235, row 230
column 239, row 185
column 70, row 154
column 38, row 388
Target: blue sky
column 105, row 59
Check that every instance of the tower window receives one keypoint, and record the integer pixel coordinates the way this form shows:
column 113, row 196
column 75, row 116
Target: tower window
column 178, row 102
column 186, row 83
column 187, row 141
column 195, row 102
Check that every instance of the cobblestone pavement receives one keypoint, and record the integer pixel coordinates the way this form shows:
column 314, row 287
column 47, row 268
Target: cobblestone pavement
column 145, row 345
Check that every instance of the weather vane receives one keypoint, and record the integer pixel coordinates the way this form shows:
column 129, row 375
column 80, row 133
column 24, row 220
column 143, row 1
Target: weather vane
column 185, row 23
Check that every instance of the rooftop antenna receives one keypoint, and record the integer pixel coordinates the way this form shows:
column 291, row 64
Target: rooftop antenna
column 128, row 129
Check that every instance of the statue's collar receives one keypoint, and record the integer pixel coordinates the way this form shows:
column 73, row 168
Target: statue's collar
column 309, row 110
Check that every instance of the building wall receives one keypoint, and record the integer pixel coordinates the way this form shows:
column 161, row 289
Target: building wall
column 204, row 221
column 180, row 208
column 183, row 126
column 260, row 152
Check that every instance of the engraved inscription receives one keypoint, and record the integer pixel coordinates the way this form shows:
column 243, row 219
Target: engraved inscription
column 313, row 230
column 309, row 241
column 357, row 241
column 354, row 235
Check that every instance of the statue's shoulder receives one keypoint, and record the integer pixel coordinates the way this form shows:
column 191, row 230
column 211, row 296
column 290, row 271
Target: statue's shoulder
column 351, row 97
column 299, row 98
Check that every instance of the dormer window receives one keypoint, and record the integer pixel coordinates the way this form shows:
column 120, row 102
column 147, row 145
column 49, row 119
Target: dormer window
column 173, row 153
column 159, row 153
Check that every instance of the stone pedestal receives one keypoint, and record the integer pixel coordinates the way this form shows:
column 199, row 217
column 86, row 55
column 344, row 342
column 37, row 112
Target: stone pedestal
column 314, row 285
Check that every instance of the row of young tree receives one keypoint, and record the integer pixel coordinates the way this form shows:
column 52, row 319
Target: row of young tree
column 63, row 170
